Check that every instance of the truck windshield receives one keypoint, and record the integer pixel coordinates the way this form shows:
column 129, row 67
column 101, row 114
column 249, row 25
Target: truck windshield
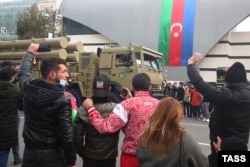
column 150, row 62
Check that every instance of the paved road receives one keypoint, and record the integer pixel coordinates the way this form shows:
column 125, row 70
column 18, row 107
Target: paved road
column 198, row 129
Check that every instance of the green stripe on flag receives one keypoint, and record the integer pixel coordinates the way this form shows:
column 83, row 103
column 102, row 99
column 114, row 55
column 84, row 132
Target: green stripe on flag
column 165, row 24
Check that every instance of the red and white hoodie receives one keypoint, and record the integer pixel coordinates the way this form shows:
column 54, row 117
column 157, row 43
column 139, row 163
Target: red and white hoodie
column 131, row 115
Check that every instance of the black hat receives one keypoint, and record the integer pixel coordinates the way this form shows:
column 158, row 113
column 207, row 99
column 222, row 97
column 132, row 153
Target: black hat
column 233, row 144
column 236, row 73
column 101, row 86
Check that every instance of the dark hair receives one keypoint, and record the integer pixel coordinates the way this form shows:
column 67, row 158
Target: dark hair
column 141, row 81
column 6, row 73
column 116, row 90
column 6, row 63
column 116, row 87
column 50, row 64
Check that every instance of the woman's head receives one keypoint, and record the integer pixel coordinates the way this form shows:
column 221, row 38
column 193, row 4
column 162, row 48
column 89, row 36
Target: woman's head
column 168, row 114
column 164, row 127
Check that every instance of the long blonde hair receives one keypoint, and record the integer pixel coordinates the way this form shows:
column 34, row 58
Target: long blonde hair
column 164, row 129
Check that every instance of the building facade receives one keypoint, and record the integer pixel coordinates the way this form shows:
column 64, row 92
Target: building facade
column 98, row 23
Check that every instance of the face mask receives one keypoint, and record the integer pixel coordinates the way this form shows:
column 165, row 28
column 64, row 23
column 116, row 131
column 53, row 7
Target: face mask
column 63, row 82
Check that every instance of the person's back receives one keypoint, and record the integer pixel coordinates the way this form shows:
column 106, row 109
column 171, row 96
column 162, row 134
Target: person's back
column 174, row 90
column 231, row 116
column 167, row 89
column 180, row 92
column 99, row 150
column 48, row 131
column 15, row 149
column 165, row 143
column 140, row 108
column 196, row 98
column 131, row 115
column 231, row 143
column 9, row 102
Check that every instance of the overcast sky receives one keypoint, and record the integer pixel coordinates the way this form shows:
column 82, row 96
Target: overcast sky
column 244, row 26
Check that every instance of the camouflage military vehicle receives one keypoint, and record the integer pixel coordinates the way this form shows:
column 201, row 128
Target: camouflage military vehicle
column 118, row 63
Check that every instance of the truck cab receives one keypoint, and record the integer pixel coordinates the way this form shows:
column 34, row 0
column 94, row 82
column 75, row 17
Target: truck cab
column 120, row 64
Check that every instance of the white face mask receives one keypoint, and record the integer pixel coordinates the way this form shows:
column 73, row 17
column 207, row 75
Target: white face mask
column 63, row 82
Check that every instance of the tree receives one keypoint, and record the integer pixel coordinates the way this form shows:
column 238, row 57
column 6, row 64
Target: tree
column 34, row 23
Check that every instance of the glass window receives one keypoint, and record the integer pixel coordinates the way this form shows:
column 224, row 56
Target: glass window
column 150, row 62
column 123, row 60
column 138, row 58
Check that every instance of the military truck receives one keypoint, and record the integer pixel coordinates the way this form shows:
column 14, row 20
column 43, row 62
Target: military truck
column 120, row 64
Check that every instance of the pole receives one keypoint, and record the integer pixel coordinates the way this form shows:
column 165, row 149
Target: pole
column 54, row 23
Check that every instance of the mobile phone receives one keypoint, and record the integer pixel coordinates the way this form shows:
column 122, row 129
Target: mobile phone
column 44, row 48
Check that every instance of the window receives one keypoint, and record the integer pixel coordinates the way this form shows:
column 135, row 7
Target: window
column 123, row 60
column 138, row 58
column 150, row 62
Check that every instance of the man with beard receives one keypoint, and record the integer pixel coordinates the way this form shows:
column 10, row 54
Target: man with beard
column 48, row 131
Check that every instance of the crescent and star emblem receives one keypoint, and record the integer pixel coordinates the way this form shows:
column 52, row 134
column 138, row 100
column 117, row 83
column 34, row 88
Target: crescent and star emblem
column 176, row 28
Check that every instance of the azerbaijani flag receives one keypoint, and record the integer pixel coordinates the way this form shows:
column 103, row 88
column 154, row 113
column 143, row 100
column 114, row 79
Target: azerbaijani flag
column 176, row 31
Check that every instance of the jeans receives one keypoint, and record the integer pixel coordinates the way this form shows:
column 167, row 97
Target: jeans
column 15, row 149
column 195, row 110
column 204, row 108
column 43, row 158
column 4, row 155
column 187, row 109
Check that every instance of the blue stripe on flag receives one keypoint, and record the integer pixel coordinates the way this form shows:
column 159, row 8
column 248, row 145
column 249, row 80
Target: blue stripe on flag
column 188, row 31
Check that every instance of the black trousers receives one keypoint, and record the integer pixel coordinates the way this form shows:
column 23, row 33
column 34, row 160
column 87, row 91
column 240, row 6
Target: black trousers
column 43, row 158
column 213, row 157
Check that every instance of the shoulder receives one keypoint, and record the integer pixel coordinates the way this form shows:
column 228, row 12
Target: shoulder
column 82, row 109
column 63, row 99
column 190, row 144
column 192, row 152
column 105, row 107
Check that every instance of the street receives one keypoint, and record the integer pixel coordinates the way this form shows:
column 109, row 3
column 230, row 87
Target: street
column 198, row 129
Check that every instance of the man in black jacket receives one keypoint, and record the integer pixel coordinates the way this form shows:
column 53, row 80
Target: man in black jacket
column 99, row 150
column 48, row 131
column 231, row 115
column 9, row 100
column 15, row 149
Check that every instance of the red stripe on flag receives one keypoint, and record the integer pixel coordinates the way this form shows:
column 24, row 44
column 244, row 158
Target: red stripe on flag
column 176, row 33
